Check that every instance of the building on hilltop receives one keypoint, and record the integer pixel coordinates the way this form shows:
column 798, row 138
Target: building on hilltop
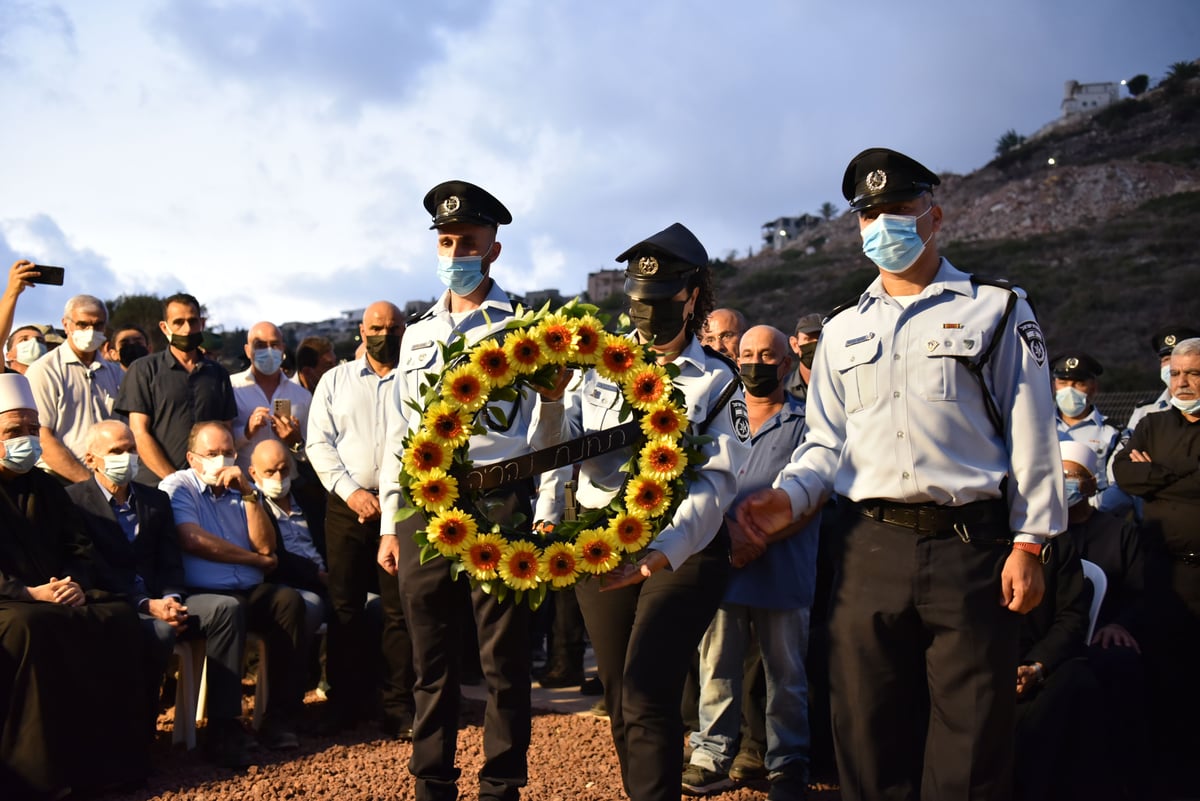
column 1086, row 98
column 777, row 233
column 603, row 284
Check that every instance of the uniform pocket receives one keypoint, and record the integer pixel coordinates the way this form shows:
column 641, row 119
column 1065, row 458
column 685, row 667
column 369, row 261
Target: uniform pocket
column 857, row 364
column 943, row 372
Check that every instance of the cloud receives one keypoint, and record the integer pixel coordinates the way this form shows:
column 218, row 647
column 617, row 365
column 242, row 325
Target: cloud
column 27, row 25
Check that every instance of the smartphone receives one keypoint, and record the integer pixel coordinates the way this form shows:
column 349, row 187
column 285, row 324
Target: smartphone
column 48, row 275
column 283, row 407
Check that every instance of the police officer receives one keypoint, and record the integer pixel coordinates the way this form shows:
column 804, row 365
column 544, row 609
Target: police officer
column 647, row 618
column 930, row 412
column 1076, row 384
column 473, row 306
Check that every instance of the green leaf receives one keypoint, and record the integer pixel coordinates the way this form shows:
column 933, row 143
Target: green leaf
column 428, row 554
column 405, row 512
column 501, row 590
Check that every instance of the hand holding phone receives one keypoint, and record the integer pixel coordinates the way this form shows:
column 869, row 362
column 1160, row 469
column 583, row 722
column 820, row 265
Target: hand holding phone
column 283, row 407
column 47, row 274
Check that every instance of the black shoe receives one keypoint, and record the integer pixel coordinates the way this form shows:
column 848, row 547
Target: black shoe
column 747, row 766
column 701, row 781
column 227, row 744
column 397, row 728
column 277, row 737
column 788, row 788
column 591, row 686
column 557, row 677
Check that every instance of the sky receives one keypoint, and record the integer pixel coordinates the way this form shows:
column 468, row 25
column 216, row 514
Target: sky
column 270, row 157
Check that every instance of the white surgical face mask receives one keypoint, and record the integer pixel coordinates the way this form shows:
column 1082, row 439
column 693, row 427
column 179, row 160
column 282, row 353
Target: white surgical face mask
column 21, row 453
column 210, row 466
column 120, row 468
column 1071, row 401
column 1186, row 406
column 30, row 350
column 275, row 488
column 1165, row 374
column 892, row 241
column 86, row 340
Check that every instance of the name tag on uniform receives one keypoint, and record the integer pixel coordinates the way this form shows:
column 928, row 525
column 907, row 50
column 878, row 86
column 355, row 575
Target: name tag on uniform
column 859, row 340
column 423, row 345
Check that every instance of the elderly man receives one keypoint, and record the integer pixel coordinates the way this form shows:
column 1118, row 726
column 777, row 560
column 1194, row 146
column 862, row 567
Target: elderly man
column 68, row 653
column 1076, row 384
column 134, row 531
column 1161, row 464
column 930, row 412
column 269, row 404
column 166, row 393
column 346, row 428
column 228, row 545
column 75, row 388
column 722, row 330
column 771, row 588
column 1163, row 342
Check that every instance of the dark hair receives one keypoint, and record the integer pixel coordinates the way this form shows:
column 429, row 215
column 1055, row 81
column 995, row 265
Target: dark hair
column 117, row 329
column 706, row 301
column 310, row 350
column 9, row 344
column 180, row 297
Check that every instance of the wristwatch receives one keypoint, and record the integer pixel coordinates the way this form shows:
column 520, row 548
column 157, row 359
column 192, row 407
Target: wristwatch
column 1036, row 548
column 251, row 497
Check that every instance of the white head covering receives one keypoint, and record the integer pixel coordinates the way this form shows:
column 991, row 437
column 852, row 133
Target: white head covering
column 1079, row 453
column 15, row 393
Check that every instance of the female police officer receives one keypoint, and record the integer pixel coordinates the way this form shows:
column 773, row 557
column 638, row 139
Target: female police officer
column 646, row 619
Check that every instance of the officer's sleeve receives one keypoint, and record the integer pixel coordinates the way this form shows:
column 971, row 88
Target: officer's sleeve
column 321, row 439
column 390, row 497
column 808, row 479
column 709, row 495
column 567, row 421
column 1020, row 382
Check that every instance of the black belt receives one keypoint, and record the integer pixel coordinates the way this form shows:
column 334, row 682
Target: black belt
column 930, row 518
column 1185, row 558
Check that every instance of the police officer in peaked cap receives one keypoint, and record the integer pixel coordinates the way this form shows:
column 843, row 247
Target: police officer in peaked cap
column 1076, row 377
column 920, row 385
column 675, row 584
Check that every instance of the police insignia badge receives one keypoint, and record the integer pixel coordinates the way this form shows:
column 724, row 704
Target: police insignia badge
column 931, row 345
column 647, row 265
column 1169, row 340
column 450, row 204
column 740, row 419
column 875, row 180
column 1032, row 334
column 1072, row 363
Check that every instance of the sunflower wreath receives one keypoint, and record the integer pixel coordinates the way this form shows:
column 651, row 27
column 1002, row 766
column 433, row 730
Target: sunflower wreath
column 454, row 404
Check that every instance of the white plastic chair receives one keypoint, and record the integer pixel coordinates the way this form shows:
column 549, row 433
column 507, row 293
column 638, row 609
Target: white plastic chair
column 187, row 689
column 1093, row 573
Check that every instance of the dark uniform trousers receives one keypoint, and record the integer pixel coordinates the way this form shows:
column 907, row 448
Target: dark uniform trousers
column 432, row 600
column 351, row 554
column 923, row 662
column 644, row 637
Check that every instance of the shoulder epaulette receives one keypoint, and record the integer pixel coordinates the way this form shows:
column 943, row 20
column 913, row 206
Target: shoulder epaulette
column 1004, row 283
column 841, row 307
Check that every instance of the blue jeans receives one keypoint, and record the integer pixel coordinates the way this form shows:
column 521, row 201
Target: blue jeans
column 783, row 637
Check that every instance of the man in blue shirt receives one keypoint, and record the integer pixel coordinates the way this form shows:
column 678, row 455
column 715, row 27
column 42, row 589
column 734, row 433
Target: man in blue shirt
column 228, row 545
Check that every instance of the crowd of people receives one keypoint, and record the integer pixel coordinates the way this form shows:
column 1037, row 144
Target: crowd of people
column 881, row 562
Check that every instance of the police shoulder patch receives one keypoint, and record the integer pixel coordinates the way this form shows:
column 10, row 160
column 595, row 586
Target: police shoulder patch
column 739, row 418
column 1032, row 334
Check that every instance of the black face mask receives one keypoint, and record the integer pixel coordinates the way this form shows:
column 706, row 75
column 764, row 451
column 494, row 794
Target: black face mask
column 134, row 350
column 384, row 348
column 187, row 342
column 807, row 351
column 659, row 321
column 759, row 379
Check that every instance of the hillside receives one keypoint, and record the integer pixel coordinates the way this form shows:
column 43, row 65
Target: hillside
column 1106, row 241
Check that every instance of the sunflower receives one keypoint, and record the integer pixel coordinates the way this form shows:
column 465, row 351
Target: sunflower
column 589, row 337
column 493, row 362
column 632, row 532
column 446, row 424
column 556, row 336
column 617, row 358
column 425, row 453
column 524, row 352
column 647, row 386
column 598, row 553
column 482, row 554
column 434, row 490
column 449, row 531
column 664, row 420
column 520, row 566
column 560, row 564
column 466, row 387
column 646, row 497
column 662, row 459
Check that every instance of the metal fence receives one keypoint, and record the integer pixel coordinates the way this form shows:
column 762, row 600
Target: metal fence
column 1117, row 406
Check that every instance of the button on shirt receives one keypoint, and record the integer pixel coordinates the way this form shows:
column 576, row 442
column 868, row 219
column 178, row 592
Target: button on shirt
column 894, row 414
column 250, row 396
column 72, row 396
column 224, row 516
column 346, row 425
column 784, row 576
column 533, row 423
column 596, row 403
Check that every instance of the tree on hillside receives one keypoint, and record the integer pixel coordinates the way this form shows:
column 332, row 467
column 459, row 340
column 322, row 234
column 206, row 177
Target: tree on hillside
column 141, row 310
column 1010, row 141
column 828, row 210
column 1137, row 84
column 1182, row 71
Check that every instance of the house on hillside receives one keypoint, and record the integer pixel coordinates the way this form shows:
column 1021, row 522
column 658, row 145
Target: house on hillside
column 1087, row 98
column 778, row 233
column 603, row 284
